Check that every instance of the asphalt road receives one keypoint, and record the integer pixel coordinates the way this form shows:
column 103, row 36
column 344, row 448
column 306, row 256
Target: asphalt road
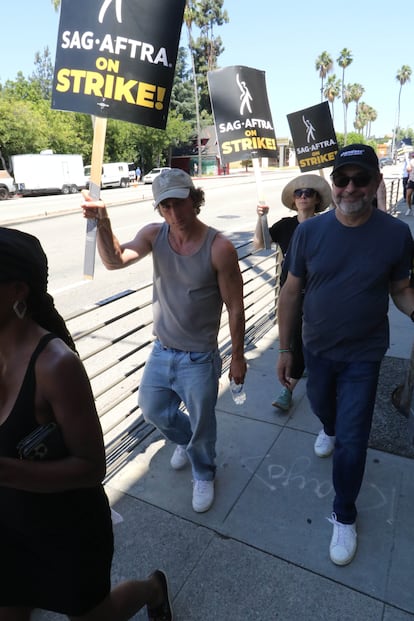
column 230, row 207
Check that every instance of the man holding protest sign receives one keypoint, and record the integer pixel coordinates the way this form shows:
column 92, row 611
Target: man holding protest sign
column 196, row 269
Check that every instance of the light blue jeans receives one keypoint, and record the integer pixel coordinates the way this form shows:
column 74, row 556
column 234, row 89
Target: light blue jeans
column 172, row 376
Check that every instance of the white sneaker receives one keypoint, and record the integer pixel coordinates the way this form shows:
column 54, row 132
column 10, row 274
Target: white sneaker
column 179, row 458
column 324, row 445
column 343, row 543
column 408, row 212
column 203, row 495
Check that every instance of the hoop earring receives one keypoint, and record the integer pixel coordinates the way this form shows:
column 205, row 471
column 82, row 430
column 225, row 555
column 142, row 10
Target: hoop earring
column 20, row 308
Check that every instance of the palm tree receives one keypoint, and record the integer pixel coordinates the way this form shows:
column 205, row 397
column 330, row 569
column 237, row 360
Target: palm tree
column 344, row 60
column 362, row 117
column 372, row 116
column 189, row 17
column 323, row 64
column 403, row 76
column 357, row 90
column 346, row 100
column 332, row 90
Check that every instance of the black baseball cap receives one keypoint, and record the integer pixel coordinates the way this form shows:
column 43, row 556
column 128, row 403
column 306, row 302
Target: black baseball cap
column 357, row 155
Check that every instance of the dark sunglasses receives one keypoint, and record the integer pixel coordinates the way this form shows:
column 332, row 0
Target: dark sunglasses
column 306, row 192
column 359, row 181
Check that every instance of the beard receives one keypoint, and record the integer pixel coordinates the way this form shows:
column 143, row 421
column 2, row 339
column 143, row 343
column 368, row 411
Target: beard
column 357, row 207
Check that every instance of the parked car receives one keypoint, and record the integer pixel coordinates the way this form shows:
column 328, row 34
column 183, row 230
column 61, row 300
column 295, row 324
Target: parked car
column 385, row 161
column 149, row 177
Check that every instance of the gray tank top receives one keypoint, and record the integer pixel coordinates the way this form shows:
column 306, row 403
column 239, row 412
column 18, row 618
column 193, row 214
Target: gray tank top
column 187, row 303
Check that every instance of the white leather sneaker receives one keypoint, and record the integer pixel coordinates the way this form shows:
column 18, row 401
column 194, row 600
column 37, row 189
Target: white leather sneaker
column 343, row 543
column 179, row 458
column 324, row 445
column 203, row 495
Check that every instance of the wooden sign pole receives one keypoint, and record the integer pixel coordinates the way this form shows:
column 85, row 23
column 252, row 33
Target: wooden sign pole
column 260, row 196
column 98, row 146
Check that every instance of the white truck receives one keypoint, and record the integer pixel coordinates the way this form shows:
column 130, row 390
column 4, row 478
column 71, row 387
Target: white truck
column 48, row 173
column 113, row 175
column 7, row 187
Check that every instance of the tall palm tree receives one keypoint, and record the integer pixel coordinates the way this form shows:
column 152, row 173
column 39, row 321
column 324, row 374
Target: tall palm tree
column 403, row 76
column 357, row 90
column 323, row 64
column 344, row 60
column 189, row 18
column 332, row 90
column 372, row 116
column 362, row 117
column 346, row 100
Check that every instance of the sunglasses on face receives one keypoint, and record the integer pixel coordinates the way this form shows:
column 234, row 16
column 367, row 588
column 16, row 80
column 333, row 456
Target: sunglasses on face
column 306, row 192
column 359, row 181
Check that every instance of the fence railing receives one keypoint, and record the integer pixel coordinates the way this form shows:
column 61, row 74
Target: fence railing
column 114, row 338
column 394, row 189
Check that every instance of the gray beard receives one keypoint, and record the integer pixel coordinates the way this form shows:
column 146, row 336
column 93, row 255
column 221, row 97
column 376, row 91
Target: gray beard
column 352, row 209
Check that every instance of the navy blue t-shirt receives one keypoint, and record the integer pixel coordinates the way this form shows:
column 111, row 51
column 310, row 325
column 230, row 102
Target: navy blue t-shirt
column 347, row 272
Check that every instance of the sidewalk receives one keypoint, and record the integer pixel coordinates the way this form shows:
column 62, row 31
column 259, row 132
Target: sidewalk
column 261, row 552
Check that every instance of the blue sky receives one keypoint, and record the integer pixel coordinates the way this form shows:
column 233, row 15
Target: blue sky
column 281, row 38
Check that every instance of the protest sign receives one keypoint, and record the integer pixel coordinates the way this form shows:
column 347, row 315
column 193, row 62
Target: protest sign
column 243, row 121
column 115, row 59
column 313, row 136
column 241, row 112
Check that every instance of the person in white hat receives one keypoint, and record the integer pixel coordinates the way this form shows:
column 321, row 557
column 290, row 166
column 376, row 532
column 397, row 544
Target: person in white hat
column 306, row 194
column 196, row 270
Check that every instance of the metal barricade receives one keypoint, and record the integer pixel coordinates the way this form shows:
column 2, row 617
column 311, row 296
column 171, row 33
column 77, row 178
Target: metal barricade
column 394, row 188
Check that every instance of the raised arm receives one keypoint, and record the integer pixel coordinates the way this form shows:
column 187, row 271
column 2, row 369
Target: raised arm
column 258, row 241
column 115, row 255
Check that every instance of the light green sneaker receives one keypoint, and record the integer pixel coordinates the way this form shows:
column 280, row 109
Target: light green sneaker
column 284, row 400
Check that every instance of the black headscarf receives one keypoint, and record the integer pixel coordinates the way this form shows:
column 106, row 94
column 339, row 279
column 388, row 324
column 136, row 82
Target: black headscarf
column 22, row 259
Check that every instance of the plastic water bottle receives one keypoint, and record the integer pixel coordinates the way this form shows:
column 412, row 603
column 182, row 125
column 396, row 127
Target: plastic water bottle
column 237, row 392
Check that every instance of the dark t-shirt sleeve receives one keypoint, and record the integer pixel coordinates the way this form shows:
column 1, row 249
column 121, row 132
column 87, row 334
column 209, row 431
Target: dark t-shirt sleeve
column 281, row 232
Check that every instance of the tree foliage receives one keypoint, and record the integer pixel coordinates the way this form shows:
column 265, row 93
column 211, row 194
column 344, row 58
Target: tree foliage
column 205, row 47
column 323, row 65
column 28, row 124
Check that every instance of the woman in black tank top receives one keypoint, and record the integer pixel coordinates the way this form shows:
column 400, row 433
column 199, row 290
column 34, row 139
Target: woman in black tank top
column 56, row 537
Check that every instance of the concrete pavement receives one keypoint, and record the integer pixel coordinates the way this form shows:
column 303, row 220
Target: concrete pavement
column 261, row 552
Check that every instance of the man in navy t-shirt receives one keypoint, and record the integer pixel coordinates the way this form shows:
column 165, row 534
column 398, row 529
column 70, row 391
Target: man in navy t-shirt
column 348, row 260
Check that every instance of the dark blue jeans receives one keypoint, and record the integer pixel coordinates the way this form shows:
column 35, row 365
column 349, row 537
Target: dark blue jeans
column 342, row 395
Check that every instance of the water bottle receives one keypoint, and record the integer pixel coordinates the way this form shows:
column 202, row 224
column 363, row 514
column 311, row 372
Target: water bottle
column 237, row 392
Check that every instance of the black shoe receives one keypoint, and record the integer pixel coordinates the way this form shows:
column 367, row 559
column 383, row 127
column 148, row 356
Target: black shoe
column 163, row 612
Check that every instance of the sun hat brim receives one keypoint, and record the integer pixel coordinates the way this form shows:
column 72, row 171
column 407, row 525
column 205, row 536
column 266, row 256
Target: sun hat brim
column 316, row 182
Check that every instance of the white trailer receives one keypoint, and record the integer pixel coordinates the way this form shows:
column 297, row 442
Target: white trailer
column 113, row 175
column 48, row 173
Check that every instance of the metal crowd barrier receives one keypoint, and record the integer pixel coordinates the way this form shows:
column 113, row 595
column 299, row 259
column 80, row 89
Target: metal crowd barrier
column 114, row 338
column 394, row 189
